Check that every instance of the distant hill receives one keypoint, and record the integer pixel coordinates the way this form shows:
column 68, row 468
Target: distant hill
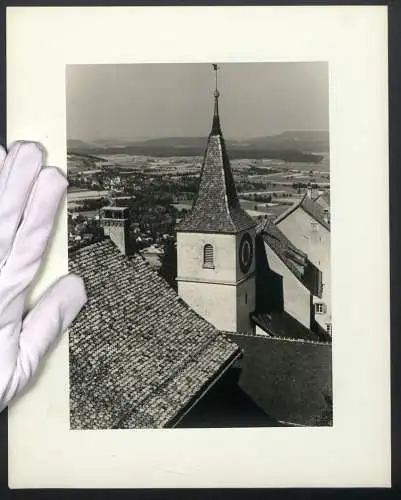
column 173, row 142
column 76, row 144
column 307, row 141
column 288, row 146
column 304, row 140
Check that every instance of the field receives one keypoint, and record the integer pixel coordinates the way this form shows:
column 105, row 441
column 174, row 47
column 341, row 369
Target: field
column 75, row 195
column 266, row 186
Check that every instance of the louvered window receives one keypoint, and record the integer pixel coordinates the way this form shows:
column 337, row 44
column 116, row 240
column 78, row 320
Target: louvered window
column 208, row 257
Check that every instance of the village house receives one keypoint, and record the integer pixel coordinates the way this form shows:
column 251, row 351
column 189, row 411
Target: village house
column 307, row 225
column 286, row 283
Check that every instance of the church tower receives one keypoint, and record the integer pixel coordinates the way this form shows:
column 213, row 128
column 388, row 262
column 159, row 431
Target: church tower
column 215, row 244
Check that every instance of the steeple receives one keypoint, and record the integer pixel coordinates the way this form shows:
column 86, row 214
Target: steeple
column 216, row 208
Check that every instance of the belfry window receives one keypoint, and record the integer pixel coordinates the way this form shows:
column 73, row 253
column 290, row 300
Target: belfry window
column 208, row 256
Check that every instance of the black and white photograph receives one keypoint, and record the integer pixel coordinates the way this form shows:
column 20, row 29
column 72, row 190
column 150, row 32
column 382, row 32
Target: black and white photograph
column 227, row 212
column 199, row 219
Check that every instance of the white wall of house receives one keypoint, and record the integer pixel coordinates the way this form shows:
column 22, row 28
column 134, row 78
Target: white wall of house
column 260, row 331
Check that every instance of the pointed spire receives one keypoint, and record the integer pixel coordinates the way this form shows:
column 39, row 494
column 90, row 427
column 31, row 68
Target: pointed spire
column 216, row 129
column 216, row 208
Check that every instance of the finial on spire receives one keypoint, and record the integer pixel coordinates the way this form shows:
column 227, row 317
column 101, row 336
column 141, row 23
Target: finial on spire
column 216, row 120
column 216, row 90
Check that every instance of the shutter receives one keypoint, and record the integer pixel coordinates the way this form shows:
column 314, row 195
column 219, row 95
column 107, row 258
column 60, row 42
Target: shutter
column 208, row 257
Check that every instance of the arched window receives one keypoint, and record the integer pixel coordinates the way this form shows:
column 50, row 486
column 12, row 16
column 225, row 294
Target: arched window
column 208, row 257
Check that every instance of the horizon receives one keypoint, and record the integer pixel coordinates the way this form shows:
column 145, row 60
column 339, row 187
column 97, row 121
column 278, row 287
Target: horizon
column 151, row 138
column 152, row 101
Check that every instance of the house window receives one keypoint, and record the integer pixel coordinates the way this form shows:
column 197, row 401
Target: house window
column 208, row 257
column 328, row 328
column 314, row 226
column 320, row 308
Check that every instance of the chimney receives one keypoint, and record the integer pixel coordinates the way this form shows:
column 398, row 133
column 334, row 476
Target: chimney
column 309, row 191
column 115, row 224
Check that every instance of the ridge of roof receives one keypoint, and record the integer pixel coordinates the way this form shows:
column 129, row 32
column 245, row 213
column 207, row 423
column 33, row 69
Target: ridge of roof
column 139, row 355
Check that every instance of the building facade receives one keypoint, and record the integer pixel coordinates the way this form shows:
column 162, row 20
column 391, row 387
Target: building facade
column 307, row 225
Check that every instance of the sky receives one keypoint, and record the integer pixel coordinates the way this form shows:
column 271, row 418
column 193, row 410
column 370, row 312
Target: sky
column 142, row 101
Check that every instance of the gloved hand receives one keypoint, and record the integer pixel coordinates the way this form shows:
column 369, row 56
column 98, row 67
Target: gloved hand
column 29, row 200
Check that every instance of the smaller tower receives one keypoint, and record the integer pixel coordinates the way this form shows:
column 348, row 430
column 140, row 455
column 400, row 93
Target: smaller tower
column 115, row 224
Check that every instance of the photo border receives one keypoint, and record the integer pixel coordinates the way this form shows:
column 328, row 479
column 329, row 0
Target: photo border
column 395, row 234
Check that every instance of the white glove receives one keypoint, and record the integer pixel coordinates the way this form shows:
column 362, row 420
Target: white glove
column 29, row 200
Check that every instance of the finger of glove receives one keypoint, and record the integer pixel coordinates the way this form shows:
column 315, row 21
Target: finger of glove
column 51, row 316
column 18, row 174
column 30, row 243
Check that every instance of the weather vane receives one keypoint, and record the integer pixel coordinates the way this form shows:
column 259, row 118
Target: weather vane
column 216, row 91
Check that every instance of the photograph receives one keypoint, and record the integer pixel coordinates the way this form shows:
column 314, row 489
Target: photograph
column 199, row 219
column 227, row 213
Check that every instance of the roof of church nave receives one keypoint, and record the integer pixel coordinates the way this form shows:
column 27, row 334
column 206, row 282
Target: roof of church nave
column 138, row 354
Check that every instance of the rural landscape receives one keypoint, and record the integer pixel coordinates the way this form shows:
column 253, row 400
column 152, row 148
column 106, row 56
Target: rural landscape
column 158, row 180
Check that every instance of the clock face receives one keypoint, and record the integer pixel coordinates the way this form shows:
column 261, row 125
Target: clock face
column 245, row 253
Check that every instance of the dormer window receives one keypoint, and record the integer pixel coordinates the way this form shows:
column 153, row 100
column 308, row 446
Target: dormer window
column 208, row 256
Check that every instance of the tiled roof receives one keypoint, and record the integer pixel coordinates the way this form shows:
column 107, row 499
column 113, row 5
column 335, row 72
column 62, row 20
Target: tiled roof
column 139, row 356
column 289, row 379
column 216, row 207
column 323, row 199
column 315, row 210
column 292, row 257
